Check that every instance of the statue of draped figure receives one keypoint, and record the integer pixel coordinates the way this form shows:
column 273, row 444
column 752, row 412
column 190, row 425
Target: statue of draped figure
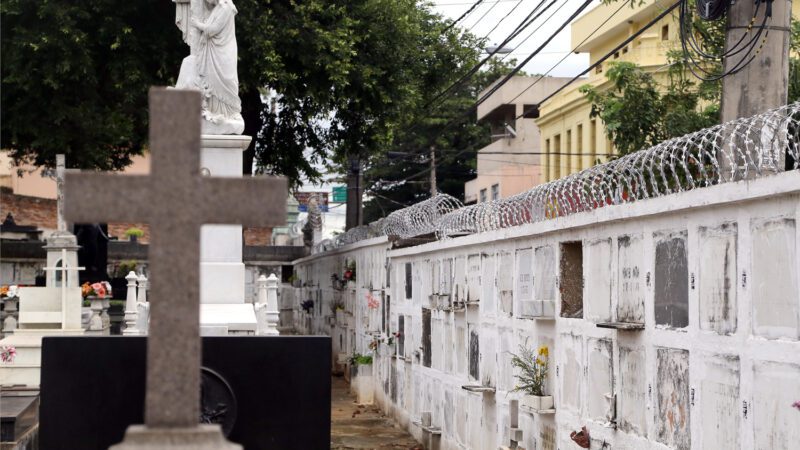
column 208, row 27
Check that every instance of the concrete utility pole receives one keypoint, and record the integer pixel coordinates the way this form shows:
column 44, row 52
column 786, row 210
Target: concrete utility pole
column 433, row 171
column 763, row 84
column 355, row 215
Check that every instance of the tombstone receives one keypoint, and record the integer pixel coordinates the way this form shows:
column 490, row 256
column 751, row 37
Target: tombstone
column 53, row 309
column 186, row 201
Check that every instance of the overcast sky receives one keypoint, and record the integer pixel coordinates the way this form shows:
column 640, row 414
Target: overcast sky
column 488, row 14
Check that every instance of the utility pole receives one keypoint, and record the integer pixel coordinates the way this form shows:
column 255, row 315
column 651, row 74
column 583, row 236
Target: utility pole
column 762, row 84
column 433, row 171
column 355, row 215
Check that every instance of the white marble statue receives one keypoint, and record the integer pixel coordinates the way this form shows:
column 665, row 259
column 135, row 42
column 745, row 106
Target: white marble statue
column 209, row 30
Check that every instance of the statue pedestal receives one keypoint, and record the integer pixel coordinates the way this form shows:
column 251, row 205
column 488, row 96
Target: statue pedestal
column 222, row 273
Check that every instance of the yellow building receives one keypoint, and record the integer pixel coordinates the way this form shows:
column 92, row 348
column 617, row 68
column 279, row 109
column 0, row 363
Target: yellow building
column 571, row 139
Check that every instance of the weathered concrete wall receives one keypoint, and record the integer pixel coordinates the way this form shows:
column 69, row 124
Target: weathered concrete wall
column 712, row 274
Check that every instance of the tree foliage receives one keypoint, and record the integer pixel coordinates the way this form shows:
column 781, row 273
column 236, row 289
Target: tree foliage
column 347, row 74
column 75, row 77
column 456, row 136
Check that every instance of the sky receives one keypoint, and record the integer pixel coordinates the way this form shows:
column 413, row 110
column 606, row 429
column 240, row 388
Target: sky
column 491, row 12
column 481, row 22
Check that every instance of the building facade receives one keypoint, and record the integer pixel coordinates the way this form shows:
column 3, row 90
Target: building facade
column 511, row 163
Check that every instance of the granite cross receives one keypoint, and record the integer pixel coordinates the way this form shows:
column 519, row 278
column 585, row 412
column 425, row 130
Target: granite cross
column 176, row 201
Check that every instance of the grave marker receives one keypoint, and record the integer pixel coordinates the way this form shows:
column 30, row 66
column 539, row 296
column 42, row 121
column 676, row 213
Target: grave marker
column 176, row 201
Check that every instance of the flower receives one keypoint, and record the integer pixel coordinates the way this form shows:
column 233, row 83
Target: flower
column 543, row 351
column 7, row 353
column 7, row 291
column 372, row 302
column 99, row 290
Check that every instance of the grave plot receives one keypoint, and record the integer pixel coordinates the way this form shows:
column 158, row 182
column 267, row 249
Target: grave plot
column 775, row 421
column 601, row 403
column 717, row 271
column 571, row 279
column 719, row 401
column 523, row 293
column 632, row 390
column 505, row 283
column 459, row 280
column 598, row 280
column 571, row 373
column 473, row 278
column 672, row 410
column 544, row 276
column 774, row 289
column 671, row 280
column 488, row 275
column 630, row 276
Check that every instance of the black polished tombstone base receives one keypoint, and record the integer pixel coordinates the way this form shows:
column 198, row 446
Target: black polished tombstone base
column 93, row 388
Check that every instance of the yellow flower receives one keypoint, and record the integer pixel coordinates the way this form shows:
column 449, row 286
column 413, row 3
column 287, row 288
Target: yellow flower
column 543, row 351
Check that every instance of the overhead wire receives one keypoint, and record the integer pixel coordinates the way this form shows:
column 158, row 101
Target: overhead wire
column 462, row 17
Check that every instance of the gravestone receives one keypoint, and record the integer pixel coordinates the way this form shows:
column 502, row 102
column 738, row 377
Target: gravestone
column 265, row 392
column 53, row 309
column 185, row 201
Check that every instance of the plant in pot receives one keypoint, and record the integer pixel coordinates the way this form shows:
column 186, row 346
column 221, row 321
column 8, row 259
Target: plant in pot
column 532, row 376
column 133, row 233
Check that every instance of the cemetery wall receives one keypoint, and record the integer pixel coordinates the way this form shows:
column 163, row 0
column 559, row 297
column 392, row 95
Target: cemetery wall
column 711, row 274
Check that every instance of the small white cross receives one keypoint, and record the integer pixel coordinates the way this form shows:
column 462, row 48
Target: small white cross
column 64, row 269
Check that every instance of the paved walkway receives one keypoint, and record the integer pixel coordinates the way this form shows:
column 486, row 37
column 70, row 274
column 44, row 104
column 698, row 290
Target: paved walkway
column 363, row 427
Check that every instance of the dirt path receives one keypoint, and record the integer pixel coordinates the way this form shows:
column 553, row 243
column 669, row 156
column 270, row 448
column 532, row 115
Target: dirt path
column 363, row 427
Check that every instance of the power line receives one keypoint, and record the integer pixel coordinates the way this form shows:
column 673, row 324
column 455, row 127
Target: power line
column 467, row 12
column 604, row 58
column 486, row 36
column 608, row 55
column 491, row 7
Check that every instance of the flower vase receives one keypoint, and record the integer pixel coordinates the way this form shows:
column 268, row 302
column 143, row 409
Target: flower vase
column 96, row 321
column 538, row 402
column 106, row 318
column 10, row 322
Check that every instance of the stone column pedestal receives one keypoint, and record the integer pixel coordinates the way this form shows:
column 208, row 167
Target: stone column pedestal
column 222, row 273
column 201, row 437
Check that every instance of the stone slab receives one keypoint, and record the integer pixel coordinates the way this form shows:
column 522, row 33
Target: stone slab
column 92, row 389
column 236, row 317
column 18, row 415
column 202, row 437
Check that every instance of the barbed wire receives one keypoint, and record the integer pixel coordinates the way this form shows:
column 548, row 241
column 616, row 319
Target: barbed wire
column 742, row 149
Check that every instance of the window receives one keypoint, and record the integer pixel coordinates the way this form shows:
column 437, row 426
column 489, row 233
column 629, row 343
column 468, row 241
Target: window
column 571, row 273
column 616, row 55
column 495, row 191
column 625, row 50
column 557, row 159
column 568, row 151
column 483, row 196
column 58, row 274
column 579, row 147
column 598, row 69
column 593, row 141
column 547, row 166
column 665, row 33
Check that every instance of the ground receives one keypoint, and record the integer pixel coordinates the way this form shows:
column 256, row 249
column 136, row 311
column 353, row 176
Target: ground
column 363, row 427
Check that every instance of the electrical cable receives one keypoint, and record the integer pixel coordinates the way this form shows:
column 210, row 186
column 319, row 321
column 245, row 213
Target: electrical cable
column 460, row 18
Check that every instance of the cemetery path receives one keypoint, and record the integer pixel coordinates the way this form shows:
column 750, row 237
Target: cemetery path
column 363, row 427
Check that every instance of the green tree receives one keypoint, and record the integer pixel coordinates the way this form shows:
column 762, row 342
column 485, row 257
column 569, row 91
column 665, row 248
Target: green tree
column 347, row 73
column 75, row 77
column 456, row 136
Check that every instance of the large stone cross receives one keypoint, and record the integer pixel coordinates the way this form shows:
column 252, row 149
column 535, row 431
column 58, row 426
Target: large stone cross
column 175, row 200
